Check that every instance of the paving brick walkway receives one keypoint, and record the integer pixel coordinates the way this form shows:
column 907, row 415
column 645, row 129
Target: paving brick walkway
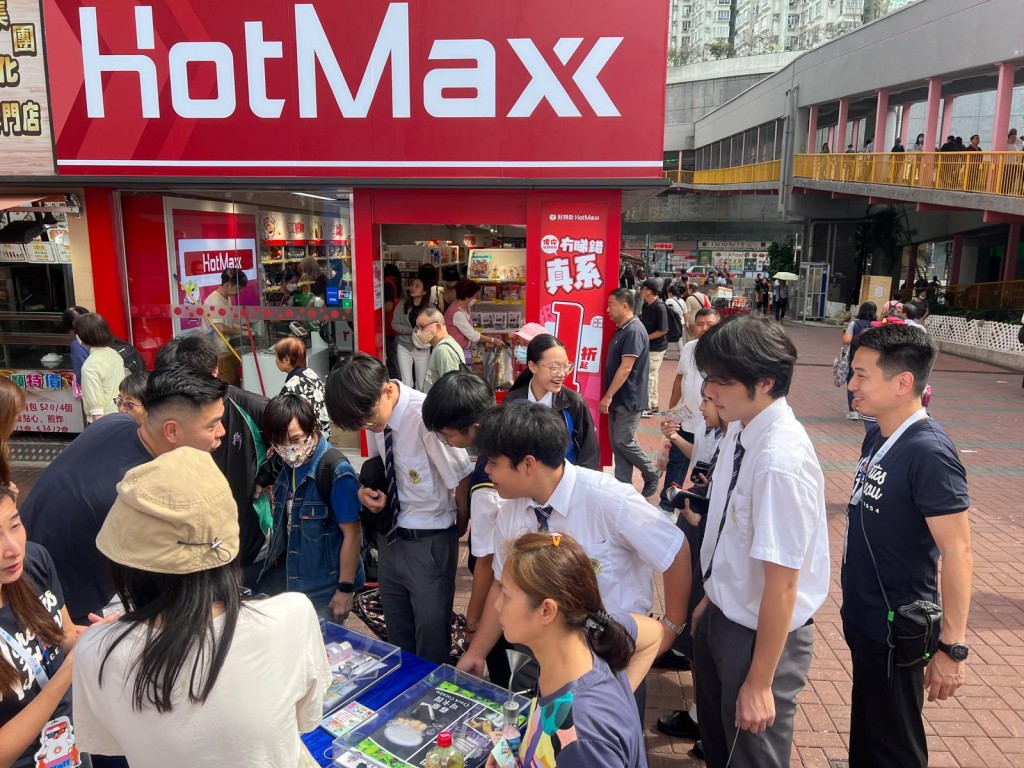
column 982, row 407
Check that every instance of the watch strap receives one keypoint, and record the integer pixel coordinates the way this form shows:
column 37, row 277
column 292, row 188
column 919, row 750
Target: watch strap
column 678, row 630
column 346, row 586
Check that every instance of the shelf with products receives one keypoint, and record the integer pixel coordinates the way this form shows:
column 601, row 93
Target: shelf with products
column 497, row 265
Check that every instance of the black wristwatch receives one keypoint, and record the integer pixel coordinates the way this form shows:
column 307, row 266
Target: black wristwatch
column 346, row 586
column 955, row 651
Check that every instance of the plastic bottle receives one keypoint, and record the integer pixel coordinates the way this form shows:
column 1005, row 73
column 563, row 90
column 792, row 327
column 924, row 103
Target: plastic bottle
column 444, row 755
column 510, row 726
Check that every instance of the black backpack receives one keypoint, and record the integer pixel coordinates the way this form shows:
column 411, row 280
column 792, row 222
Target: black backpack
column 133, row 362
column 324, row 485
column 675, row 325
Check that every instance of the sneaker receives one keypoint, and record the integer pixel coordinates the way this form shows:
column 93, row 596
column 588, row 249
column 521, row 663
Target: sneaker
column 679, row 725
column 672, row 659
column 698, row 749
column 651, row 486
column 646, row 414
column 853, row 416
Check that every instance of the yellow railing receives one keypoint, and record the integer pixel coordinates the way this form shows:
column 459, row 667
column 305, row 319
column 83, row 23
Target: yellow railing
column 1006, row 294
column 740, row 174
column 993, row 173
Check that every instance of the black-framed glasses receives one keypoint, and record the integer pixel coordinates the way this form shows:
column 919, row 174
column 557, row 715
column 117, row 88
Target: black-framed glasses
column 129, row 405
column 424, row 327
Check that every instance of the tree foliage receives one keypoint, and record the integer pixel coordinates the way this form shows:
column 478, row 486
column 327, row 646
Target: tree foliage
column 721, row 49
column 781, row 258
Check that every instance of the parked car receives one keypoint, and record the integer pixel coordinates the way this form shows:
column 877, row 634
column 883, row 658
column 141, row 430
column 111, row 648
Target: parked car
column 700, row 272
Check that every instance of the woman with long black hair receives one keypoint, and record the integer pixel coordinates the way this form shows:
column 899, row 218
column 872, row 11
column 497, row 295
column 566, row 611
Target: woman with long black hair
column 543, row 381
column 590, row 662
column 192, row 673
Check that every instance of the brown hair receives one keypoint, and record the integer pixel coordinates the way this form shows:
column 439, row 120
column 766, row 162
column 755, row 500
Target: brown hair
column 23, row 597
column 292, row 351
column 12, row 402
column 93, row 330
column 565, row 574
column 466, row 289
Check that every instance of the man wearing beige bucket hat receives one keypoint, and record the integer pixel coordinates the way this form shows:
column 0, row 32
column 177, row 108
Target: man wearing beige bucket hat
column 193, row 674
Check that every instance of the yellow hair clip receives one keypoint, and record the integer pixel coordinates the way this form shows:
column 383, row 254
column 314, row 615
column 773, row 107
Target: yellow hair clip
column 556, row 539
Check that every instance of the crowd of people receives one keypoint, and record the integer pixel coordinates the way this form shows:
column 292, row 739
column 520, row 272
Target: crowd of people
column 197, row 493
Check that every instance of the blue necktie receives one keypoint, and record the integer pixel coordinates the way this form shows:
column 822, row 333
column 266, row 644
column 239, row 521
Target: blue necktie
column 737, row 460
column 542, row 513
column 389, row 470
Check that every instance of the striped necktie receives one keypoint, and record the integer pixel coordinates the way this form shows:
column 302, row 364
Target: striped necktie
column 737, row 461
column 394, row 506
column 543, row 514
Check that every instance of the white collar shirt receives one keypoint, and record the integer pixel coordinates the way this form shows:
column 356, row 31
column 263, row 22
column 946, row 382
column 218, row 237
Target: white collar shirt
column 547, row 400
column 426, row 470
column 626, row 538
column 776, row 514
column 691, row 386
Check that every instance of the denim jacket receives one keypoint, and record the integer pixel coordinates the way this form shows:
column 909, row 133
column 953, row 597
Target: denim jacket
column 313, row 537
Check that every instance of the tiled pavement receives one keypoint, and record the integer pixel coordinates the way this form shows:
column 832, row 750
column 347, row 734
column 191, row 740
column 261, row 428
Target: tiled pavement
column 982, row 407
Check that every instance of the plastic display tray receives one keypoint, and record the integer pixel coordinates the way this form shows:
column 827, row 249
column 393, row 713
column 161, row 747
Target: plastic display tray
column 361, row 666
column 405, row 729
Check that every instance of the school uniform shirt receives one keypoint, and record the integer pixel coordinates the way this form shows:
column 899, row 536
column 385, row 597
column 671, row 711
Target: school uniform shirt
column 776, row 514
column 269, row 690
column 691, row 386
column 484, row 506
column 626, row 538
column 56, row 739
column 588, row 722
column 426, row 471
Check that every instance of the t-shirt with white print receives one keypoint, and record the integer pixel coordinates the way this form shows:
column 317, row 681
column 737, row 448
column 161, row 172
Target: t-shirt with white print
column 55, row 747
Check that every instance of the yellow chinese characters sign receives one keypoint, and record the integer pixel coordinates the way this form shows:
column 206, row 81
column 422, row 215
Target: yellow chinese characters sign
column 25, row 146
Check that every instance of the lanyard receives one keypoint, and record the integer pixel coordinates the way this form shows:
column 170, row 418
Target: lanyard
column 869, row 462
column 26, row 655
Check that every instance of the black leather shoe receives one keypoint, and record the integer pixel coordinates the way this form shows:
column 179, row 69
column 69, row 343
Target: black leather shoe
column 679, row 725
column 698, row 750
column 672, row 660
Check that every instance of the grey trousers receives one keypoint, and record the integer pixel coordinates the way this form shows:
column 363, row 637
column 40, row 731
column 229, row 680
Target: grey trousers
column 417, row 589
column 723, row 651
column 622, row 425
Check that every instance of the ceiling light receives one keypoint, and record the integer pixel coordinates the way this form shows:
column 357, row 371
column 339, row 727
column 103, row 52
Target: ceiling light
column 317, row 197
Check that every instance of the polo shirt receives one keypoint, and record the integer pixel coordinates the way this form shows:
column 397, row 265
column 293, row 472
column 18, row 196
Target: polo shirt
column 630, row 340
column 626, row 538
column 426, row 470
column 776, row 514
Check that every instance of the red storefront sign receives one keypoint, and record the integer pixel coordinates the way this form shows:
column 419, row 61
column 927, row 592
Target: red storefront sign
column 575, row 284
column 445, row 88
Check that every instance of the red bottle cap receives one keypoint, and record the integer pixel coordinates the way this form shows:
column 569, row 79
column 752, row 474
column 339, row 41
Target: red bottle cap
column 444, row 739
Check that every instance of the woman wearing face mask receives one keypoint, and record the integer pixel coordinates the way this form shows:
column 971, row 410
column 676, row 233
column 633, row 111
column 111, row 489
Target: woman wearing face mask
column 413, row 354
column 314, row 548
column 460, row 325
column 543, row 382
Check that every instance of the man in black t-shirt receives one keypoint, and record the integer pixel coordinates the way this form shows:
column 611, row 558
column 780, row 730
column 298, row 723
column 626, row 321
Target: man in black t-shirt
column 654, row 316
column 909, row 505
column 625, row 396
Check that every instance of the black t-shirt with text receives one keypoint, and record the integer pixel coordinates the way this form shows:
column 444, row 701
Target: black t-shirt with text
column 654, row 316
column 919, row 477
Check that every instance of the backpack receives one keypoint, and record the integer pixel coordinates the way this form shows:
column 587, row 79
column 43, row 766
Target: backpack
column 675, row 325
column 133, row 362
column 324, row 485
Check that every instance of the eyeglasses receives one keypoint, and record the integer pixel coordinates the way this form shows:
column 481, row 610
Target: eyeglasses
column 128, row 404
column 445, row 440
column 424, row 327
column 557, row 369
column 376, row 413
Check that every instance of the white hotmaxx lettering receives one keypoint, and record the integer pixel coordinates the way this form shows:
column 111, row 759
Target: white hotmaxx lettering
column 313, row 50
column 218, row 262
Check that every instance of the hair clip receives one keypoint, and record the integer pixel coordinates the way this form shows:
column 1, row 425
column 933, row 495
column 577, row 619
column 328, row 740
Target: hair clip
column 217, row 545
column 556, row 539
column 592, row 625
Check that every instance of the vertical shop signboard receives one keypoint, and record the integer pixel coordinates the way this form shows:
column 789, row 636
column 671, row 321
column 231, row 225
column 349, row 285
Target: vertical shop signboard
column 50, row 402
column 25, row 145
column 574, row 288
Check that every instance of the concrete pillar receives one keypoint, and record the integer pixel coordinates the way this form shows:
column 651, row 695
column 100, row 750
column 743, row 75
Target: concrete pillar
column 891, row 116
column 855, row 139
column 844, row 118
column 907, row 109
column 932, row 115
column 743, row 149
column 881, row 117
column 1012, row 247
column 947, row 119
column 812, row 129
column 831, row 138
column 1004, row 96
column 912, row 267
column 954, row 265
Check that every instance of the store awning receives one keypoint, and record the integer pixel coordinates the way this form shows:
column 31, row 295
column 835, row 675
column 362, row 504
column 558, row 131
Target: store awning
column 19, row 201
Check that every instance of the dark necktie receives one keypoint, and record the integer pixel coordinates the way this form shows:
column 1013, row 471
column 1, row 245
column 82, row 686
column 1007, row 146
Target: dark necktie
column 737, row 461
column 394, row 505
column 542, row 513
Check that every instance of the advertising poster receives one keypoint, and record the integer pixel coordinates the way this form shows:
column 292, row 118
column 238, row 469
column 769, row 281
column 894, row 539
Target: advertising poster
column 205, row 244
column 25, row 146
column 50, row 402
column 574, row 291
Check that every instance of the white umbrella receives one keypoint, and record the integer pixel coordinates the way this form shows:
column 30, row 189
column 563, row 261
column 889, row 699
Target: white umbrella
column 785, row 276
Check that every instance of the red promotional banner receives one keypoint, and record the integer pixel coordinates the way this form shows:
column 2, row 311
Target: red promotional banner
column 446, row 88
column 574, row 288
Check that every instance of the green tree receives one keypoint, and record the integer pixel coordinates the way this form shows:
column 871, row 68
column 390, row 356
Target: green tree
column 880, row 240
column 721, row 49
column 781, row 258
column 677, row 57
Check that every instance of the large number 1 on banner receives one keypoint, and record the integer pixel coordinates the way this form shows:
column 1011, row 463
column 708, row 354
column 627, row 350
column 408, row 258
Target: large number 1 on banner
column 569, row 330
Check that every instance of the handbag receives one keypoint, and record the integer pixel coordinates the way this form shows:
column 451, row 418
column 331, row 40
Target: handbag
column 841, row 367
column 370, row 610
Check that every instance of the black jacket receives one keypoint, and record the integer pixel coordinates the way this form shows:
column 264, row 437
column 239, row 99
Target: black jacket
column 584, row 436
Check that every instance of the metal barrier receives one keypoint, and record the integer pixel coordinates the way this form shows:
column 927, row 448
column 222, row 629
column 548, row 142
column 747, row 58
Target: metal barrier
column 740, row 174
column 990, row 173
column 1005, row 294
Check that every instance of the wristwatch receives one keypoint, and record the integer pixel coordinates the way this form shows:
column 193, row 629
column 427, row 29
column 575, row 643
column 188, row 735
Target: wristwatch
column 678, row 630
column 346, row 586
column 955, row 651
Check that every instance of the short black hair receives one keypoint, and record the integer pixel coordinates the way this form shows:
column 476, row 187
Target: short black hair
column 71, row 314
column 748, row 349
column 706, row 312
column 518, row 430
column 354, row 389
column 623, row 296
column 280, row 411
column 181, row 385
column 456, row 401
column 93, row 330
column 901, row 348
column 868, row 311
column 466, row 289
column 910, row 311
column 194, row 350
column 234, row 276
column 134, row 385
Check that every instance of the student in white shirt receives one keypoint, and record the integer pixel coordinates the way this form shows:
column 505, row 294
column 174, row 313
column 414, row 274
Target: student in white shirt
column 765, row 556
column 419, row 543
column 627, row 538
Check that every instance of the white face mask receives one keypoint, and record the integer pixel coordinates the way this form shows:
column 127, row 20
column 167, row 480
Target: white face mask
column 422, row 339
column 290, row 287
